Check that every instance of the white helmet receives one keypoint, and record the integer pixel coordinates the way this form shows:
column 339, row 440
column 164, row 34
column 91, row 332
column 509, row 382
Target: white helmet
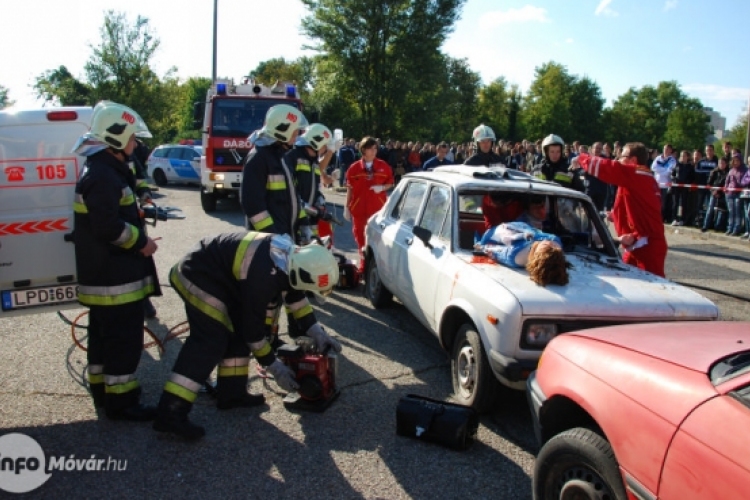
column 313, row 268
column 113, row 124
column 282, row 121
column 483, row 132
column 142, row 130
column 551, row 140
column 317, row 135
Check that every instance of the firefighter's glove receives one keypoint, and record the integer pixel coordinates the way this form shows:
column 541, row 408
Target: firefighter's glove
column 347, row 214
column 283, row 375
column 323, row 341
column 378, row 188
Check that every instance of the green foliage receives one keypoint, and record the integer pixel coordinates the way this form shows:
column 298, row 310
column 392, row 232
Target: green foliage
column 299, row 72
column 4, row 98
column 61, row 86
column 657, row 115
column 737, row 135
column 381, row 56
column 560, row 103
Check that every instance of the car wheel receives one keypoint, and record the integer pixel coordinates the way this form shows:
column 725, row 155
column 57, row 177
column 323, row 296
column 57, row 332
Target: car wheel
column 208, row 201
column 159, row 177
column 578, row 463
column 474, row 384
column 378, row 294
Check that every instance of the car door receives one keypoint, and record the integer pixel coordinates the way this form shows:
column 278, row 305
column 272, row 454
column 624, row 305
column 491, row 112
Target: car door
column 182, row 168
column 397, row 238
column 708, row 457
column 424, row 262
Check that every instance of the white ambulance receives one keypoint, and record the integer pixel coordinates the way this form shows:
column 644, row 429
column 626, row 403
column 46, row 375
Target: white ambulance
column 38, row 174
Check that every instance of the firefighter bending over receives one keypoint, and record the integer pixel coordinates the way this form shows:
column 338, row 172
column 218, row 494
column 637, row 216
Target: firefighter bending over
column 228, row 283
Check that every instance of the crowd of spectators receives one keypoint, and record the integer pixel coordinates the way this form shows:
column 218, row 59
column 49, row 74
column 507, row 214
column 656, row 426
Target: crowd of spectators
column 721, row 201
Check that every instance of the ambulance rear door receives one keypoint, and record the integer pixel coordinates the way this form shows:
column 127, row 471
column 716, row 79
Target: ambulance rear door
column 38, row 174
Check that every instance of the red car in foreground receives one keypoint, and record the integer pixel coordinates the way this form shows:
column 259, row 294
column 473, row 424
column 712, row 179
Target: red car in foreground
column 644, row 412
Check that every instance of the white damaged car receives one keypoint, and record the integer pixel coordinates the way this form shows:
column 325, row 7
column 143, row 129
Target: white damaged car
column 493, row 320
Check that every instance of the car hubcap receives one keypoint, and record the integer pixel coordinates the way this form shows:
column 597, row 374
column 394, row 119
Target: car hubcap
column 580, row 483
column 466, row 370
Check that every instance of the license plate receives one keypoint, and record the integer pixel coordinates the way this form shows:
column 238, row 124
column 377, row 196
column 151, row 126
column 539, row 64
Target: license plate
column 39, row 296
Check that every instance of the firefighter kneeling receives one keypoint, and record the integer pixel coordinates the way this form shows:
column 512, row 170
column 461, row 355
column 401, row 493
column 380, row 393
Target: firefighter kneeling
column 229, row 283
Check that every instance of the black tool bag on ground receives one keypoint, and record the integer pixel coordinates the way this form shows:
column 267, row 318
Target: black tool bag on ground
column 449, row 424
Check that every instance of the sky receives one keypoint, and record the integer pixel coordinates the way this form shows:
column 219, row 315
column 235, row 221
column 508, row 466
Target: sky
column 618, row 44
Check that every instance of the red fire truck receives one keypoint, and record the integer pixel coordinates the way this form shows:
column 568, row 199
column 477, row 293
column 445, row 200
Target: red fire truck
column 230, row 114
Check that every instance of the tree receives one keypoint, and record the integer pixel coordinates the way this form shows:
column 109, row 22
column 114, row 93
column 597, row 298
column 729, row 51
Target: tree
column 192, row 91
column 4, row 99
column 559, row 103
column 657, row 115
column 738, row 135
column 382, row 54
column 494, row 107
column 119, row 70
column 300, row 71
column 61, row 86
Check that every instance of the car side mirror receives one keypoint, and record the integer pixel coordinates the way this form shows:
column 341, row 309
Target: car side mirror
column 423, row 234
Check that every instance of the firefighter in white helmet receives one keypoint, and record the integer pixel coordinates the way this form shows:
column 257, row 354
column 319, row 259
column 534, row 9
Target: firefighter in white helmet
column 268, row 196
column 227, row 282
column 116, row 271
column 554, row 165
column 308, row 159
column 484, row 138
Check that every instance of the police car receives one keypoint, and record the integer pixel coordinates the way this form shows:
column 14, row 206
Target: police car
column 175, row 163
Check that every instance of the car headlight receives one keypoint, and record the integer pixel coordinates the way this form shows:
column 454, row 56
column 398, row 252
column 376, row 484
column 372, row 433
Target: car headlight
column 216, row 177
column 539, row 334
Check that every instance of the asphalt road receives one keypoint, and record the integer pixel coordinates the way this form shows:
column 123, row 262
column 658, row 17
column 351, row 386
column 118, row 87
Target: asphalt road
column 350, row 451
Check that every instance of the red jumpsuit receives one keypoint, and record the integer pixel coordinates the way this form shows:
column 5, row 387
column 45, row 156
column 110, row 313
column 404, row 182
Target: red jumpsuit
column 363, row 201
column 636, row 211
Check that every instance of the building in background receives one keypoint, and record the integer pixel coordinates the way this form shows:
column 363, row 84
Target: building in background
column 718, row 124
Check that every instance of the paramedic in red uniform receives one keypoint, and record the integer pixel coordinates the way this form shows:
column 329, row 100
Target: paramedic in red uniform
column 637, row 209
column 367, row 182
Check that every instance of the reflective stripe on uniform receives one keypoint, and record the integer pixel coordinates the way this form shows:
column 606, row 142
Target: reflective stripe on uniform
column 180, row 392
column 201, row 300
column 261, row 220
column 234, row 362
column 96, row 378
column 232, row 371
column 299, row 308
column 185, row 382
column 302, row 166
column 120, row 384
column 79, row 205
column 264, row 350
column 276, row 183
column 117, row 294
column 245, row 253
column 128, row 197
column 128, row 237
column 563, row 177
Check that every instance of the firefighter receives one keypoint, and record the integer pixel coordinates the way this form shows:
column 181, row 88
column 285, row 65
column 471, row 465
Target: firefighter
column 116, row 271
column 367, row 183
column 268, row 196
column 227, row 282
column 308, row 171
column 554, row 166
column 484, row 138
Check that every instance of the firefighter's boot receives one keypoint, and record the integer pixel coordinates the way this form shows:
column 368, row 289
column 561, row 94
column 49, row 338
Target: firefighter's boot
column 232, row 393
column 172, row 417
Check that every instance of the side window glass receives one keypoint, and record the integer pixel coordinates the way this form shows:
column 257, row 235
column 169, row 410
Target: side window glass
column 408, row 207
column 175, row 153
column 436, row 209
column 161, row 153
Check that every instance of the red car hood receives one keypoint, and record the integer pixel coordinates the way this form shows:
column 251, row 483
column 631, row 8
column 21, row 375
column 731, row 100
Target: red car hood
column 692, row 345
